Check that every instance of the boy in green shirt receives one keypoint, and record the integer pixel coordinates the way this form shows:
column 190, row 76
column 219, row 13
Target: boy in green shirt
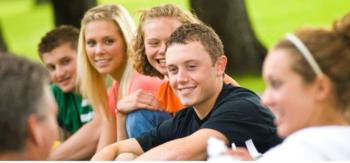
column 57, row 51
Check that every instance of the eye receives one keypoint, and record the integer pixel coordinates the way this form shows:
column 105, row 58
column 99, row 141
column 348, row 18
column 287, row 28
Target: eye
column 191, row 67
column 90, row 43
column 66, row 61
column 50, row 67
column 153, row 43
column 275, row 84
column 172, row 70
column 108, row 41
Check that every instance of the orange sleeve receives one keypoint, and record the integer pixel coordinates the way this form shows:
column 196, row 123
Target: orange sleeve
column 168, row 99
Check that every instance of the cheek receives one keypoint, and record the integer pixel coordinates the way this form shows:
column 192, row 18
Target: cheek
column 149, row 52
column 89, row 56
column 89, row 51
column 172, row 80
column 72, row 67
column 118, row 50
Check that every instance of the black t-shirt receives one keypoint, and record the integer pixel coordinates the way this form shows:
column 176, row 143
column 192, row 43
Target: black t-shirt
column 237, row 114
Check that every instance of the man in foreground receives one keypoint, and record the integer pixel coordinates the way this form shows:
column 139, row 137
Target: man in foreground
column 28, row 110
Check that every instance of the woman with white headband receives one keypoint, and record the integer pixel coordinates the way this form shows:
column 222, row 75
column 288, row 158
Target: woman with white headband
column 308, row 89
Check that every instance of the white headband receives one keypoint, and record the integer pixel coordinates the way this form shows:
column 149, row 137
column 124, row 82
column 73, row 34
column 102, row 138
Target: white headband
column 305, row 52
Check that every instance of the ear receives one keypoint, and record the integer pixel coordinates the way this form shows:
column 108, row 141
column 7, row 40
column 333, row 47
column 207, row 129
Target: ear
column 221, row 65
column 323, row 87
column 34, row 130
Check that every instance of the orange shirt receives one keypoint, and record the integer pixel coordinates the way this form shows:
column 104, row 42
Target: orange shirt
column 168, row 99
column 139, row 81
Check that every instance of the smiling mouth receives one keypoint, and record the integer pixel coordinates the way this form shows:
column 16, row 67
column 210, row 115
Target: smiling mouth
column 64, row 81
column 102, row 62
column 186, row 90
column 278, row 116
column 161, row 61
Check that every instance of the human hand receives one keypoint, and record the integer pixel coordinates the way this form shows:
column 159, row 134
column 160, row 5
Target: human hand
column 241, row 154
column 138, row 99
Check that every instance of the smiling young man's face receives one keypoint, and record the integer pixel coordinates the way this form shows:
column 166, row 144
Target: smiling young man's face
column 192, row 74
column 61, row 63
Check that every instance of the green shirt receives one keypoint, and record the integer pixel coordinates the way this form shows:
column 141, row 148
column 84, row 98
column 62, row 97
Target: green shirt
column 73, row 111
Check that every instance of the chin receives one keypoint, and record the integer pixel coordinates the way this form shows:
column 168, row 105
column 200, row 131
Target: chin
column 67, row 89
column 283, row 131
column 103, row 71
column 162, row 71
column 186, row 102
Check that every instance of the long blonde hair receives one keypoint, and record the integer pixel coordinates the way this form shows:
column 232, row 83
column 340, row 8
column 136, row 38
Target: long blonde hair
column 92, row 83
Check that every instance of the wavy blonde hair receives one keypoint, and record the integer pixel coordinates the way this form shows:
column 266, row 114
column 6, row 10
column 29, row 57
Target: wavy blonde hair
column 92, row 84
column 137, row 53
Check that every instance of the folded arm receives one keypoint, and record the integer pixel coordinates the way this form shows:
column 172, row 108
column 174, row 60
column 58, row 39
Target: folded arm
column 192, row 147
column 110, row 152
column 81, row 145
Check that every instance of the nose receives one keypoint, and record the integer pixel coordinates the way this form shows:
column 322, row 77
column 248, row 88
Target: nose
column 266, row 99
column 182, row 76
column 162, row 48
column 99, row 49
column 60, row 72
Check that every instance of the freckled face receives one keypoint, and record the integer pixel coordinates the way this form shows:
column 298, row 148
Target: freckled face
column 157, row 31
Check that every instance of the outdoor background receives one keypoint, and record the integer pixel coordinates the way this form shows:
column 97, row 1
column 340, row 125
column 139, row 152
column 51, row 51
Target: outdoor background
column 24, row 23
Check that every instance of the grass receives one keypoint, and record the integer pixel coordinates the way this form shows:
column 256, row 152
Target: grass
column 24, row 23
column 273, row 18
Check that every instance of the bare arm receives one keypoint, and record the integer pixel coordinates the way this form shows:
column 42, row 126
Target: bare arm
column 108, row 133
column 192, row 147
column 138, row 99
column 81, row 145
column 112, row 151
column 121, row 127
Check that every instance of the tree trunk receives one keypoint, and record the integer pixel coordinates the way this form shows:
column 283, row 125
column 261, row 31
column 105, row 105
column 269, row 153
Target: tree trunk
column 71, row 12
column 3, row 46
column 230, row 20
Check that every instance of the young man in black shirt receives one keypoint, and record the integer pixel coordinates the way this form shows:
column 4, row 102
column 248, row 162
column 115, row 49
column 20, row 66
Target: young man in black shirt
column 196, row 65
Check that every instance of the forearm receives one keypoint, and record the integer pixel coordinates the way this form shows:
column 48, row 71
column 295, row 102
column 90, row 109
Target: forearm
column 121, row 127
column 108, row 133
column 192, row 147
column 112, row 151
column 109, row 152
column 81, row 145
column 175, row 150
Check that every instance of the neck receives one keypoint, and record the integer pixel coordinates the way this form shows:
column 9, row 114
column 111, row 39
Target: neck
column 203, row 109
column 328, row 115
column 118, row 73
